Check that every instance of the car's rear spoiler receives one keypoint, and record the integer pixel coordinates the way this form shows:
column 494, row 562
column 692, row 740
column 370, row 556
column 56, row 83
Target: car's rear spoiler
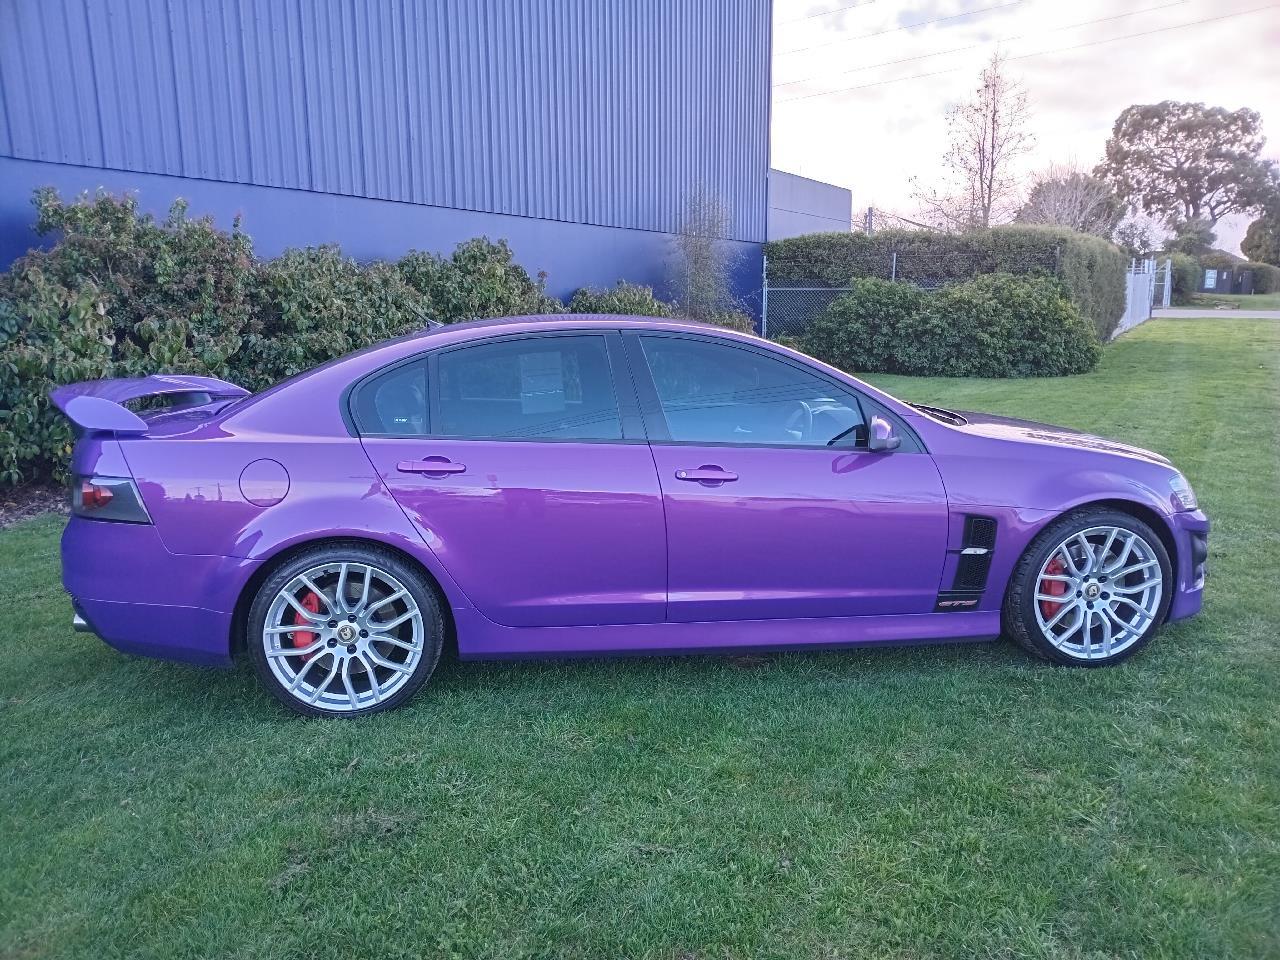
column 97, row 406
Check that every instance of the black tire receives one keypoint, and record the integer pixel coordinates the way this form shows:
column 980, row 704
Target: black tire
column 1018, row 616
column 422, row 592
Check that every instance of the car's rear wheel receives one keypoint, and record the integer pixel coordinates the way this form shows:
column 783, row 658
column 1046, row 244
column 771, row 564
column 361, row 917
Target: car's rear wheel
column 1091, row 590
column 344, row 630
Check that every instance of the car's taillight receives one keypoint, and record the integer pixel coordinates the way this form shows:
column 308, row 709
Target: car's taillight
column 94, row 496
column 108, row 498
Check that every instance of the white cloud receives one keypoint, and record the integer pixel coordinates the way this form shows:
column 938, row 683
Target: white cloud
column 873, row 139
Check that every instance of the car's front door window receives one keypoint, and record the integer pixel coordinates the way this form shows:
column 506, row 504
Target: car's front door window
column 719, row 393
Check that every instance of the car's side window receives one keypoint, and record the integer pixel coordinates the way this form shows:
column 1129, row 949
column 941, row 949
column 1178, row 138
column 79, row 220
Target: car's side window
column 394, row 403
column 543, row 387
column 719, row 393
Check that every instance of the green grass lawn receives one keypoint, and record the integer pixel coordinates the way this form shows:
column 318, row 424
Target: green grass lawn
column 1237, row 301
column 921, row 802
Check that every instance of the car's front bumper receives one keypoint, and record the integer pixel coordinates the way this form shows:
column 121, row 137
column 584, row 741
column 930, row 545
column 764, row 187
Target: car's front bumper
column 141, row 599
column 1191, row 539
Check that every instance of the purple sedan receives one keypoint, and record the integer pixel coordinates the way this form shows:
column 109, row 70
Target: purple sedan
column 585, row 485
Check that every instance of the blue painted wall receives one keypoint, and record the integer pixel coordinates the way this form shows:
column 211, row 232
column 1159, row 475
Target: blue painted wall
column 572, row 255
column 798, row 205
column 401, row 123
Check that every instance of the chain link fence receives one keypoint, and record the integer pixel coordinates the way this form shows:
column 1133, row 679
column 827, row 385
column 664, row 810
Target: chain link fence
column 789, row 307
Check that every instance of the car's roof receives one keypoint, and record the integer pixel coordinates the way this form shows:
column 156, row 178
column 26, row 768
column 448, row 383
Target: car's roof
column 495, row 326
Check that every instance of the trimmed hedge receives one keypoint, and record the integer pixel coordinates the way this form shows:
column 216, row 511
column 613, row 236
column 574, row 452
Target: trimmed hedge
column 1091, row 269
column 996, row 325
column 1266, row 278
column 1186, row 276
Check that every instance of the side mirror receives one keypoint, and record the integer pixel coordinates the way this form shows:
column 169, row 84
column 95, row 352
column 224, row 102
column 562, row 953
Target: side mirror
column 880, row 436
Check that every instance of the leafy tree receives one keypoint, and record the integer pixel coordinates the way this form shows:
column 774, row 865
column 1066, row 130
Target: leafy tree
column 1187, row 161
column 1067, row 197
column 1194, row 237
column 988, row 133
column 1262, row 240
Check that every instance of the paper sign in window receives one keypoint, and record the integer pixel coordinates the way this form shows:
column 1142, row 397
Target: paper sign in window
column 542, row 382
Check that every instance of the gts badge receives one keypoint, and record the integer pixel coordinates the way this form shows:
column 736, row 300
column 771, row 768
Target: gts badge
column 950, row 601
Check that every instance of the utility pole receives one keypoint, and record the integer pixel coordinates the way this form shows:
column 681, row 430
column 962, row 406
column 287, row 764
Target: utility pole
column 870, row 223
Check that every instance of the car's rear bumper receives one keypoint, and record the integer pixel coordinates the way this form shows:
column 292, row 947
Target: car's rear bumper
column 189, row 634
column 142, row 599
column 1191, row 537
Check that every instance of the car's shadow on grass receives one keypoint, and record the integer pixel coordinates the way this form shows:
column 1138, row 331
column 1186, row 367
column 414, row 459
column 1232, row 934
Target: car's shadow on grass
column 924, row 671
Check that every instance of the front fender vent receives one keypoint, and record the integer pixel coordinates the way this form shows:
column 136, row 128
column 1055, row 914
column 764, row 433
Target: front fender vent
column 980, row 532
column 975, row 554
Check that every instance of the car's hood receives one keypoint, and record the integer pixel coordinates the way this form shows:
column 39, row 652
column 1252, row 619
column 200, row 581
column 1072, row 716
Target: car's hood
column 1028, row 431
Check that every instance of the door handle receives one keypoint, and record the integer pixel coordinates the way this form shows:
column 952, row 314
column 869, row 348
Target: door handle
column 708, row 474
column 437, row 466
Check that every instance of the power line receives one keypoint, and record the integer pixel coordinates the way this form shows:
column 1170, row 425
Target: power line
column 909, row 26
column 894, row 216
column 1027, row 56
column 815, row 16
column 975, row 46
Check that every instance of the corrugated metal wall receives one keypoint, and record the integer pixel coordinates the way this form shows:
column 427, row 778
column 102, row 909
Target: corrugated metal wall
column 588, row 111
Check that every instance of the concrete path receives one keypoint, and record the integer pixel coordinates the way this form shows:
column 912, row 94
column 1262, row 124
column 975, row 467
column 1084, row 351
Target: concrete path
column 1202, row 313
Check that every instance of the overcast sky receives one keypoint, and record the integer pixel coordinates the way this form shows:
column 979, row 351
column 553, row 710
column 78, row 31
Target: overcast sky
column 861, row 92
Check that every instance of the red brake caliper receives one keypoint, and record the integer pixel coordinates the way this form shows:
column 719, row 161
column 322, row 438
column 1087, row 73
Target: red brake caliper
column 1056, row 588
column 304, row 638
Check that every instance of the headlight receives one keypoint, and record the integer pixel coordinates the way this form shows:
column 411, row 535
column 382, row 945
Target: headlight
column 1184, row 498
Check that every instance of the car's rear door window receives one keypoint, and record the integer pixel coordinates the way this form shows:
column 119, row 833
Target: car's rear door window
column 550, row 387
column 720, row 393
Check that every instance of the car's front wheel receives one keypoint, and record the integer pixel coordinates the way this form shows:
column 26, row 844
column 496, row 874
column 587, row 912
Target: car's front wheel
column 344, row 630
column 1091, row 590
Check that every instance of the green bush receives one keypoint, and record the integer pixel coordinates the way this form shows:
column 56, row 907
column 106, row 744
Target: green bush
column 121, row 294
column 1186, row 276
column 868, row 328
column 626, row 298
column 1220, row 260
column 995, row 325
column 1266, row 278
column 481, row 279
column 313, row 305
column 1091, row 269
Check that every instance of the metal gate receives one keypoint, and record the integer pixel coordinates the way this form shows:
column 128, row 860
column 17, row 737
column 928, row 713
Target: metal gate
column 1146, row 286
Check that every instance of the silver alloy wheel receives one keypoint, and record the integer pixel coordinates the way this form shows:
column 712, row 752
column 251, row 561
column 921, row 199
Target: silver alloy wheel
column 1098, row 592
column 359, row 645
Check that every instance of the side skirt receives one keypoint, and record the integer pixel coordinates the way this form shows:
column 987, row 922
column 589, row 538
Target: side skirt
column 480, row 638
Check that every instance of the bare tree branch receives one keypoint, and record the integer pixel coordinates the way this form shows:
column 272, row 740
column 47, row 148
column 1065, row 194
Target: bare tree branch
column 1066, row 196
column 988, row 133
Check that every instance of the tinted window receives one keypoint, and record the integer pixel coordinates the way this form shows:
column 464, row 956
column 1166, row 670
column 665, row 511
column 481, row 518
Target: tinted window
column 395, row 402
column 556, row 388
column 714, row 393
